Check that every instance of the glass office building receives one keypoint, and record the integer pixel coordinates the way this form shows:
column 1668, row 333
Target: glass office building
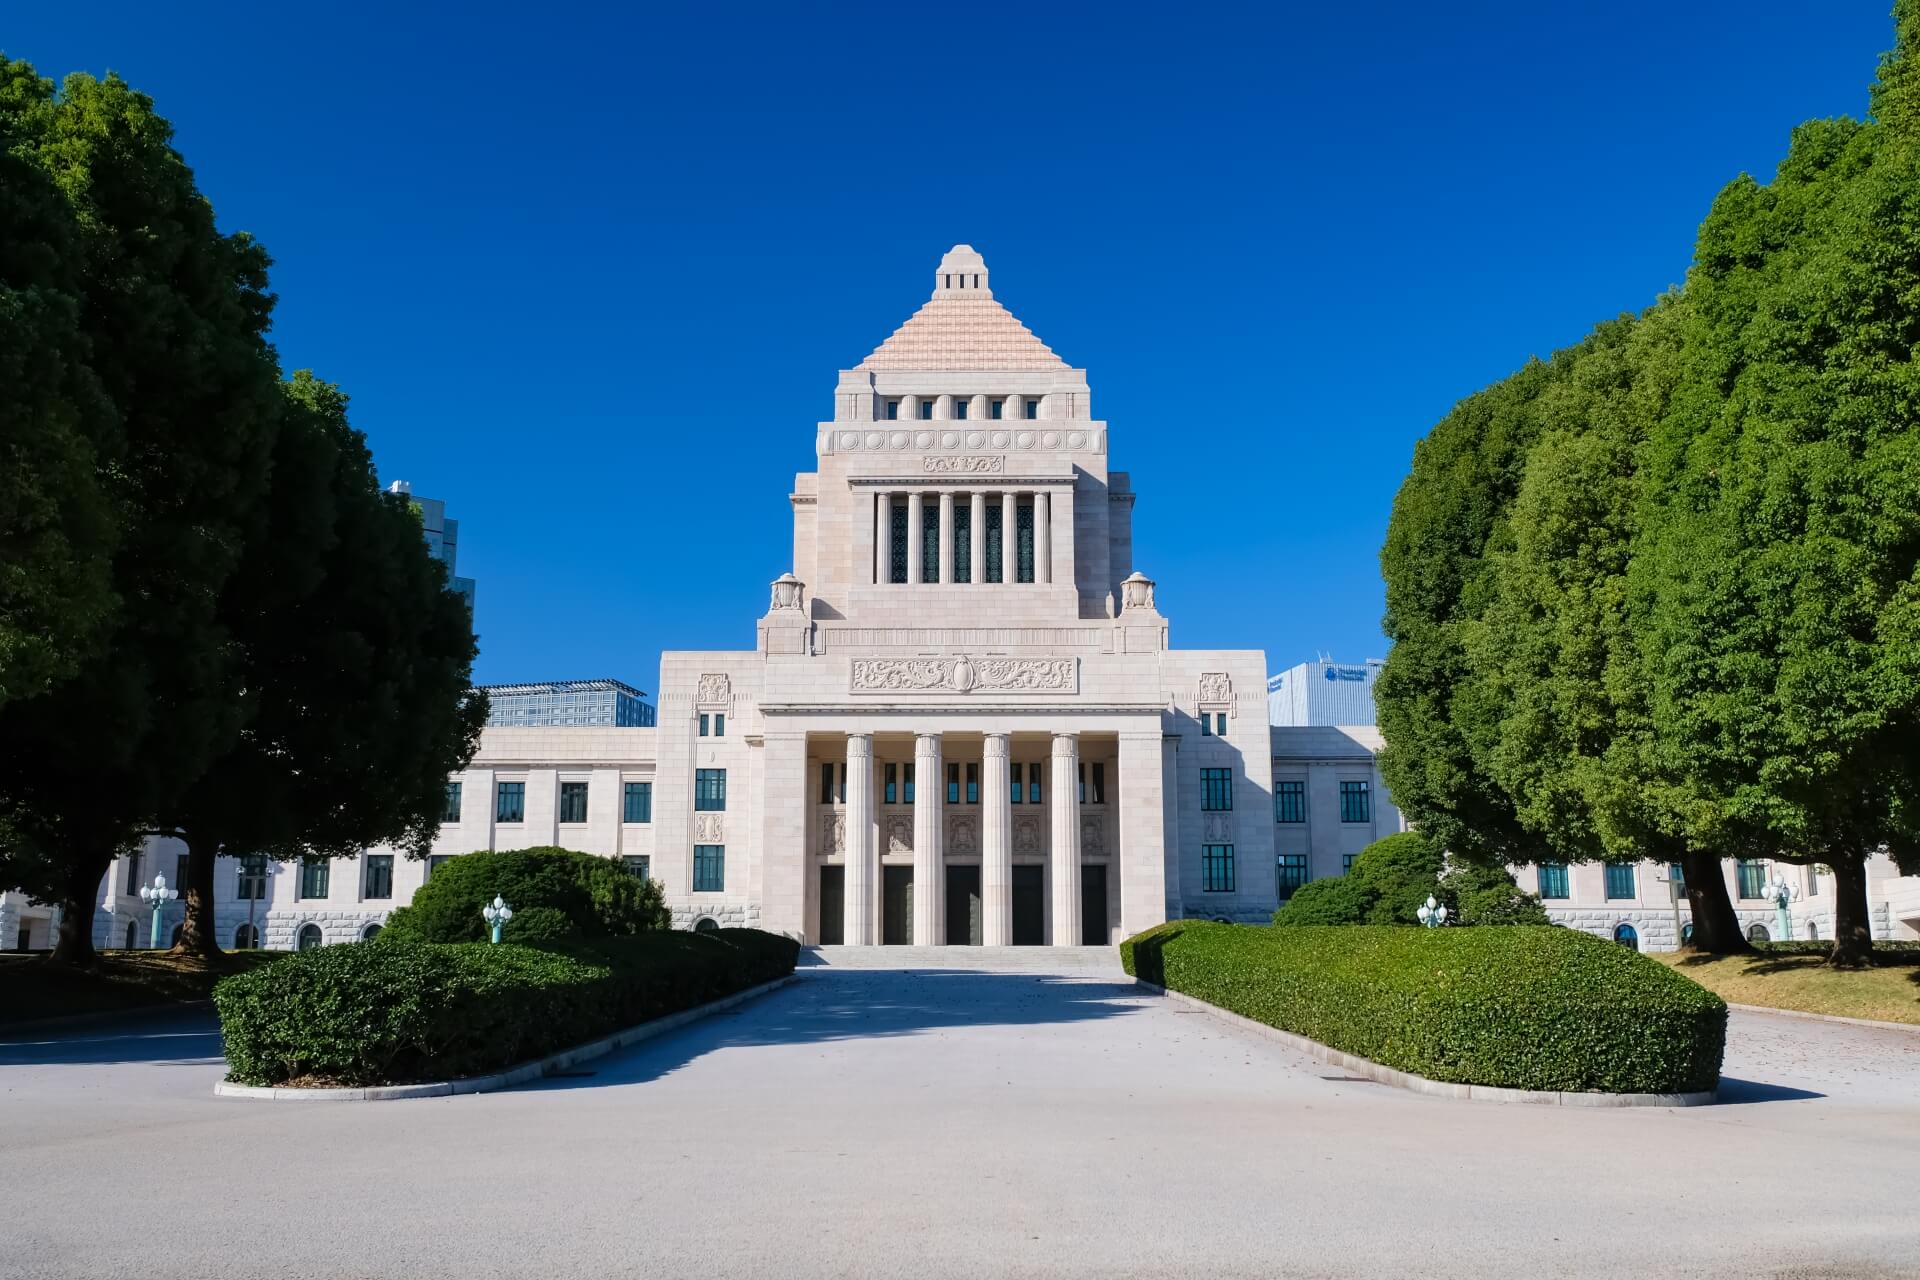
column 611, row 703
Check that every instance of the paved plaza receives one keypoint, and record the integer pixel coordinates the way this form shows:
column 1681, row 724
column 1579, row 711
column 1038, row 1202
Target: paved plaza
column 960, row 1113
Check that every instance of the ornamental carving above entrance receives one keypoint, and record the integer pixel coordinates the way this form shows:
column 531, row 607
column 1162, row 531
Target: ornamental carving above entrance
column 965, row 675
column 965, row 464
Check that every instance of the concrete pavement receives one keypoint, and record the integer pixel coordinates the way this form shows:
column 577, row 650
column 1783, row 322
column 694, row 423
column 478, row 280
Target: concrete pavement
column 975, row 1113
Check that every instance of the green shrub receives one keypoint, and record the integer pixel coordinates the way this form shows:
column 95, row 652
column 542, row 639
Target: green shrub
column 1522, row 1008
column 596, row 895
column 1401, row 872
column 1477, row 895
column 398, row 1010
column 539, row 927
column 1329, row 900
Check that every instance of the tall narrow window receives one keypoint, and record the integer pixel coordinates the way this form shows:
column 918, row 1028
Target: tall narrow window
column 1553, row 880
column 953, row 784
column 180, row 873
column 1033, row 782
column 893, row 410
column 719, row 724
column 1216, row 868
column 1082, row 770
column 1289, row 800
column 1753, row 878
column 973, row 784
column 998, row 408
column 1099, row 795
column 451, row 813
column 1290, row 873
column 573, row 802
column 1033, row 408
column 709, row 790
column 826, row 783
column 897, row 522
column 1216, row 789
column 709, row 868
column 637, row 802
column 926, row 409
column 253, row 877
column 960, row 406
column 1013, row 781
column 1619, row 880
column 315, row 877
column 133, row 871
column 892, row 791
column 930, row 542
column 510, row 802
column 995, row 571
column 1678, row 874
column 379, row 875
column 703, row 726
column 1356, row 803
column 909, row 784
column 963, row 540
column 1023, row 528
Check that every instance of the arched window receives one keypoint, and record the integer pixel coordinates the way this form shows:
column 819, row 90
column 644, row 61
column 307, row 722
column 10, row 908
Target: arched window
column 706, row 924
column 1626, row 935
column 1757, row 932
column 1686, row 933
column 309, row 937
column 1813, row 931
column 246, row 938
column 371, row 932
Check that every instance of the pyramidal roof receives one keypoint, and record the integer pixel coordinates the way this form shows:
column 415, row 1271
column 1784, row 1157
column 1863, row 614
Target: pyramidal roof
column 961, row 328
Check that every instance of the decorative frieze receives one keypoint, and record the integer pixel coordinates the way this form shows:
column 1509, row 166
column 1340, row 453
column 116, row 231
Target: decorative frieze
column 965, row 675
column 833, row 833
column 899, row 835
column 964, row 464
column 963, row 834
column 1026, row 834
column 1216, row 689
column 840, row 639
column 709, row 828
column 715, row 690
column 955, row 438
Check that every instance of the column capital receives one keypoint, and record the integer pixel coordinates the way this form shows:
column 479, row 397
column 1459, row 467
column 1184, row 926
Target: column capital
column 859, row 745
column 997, row 744
column 1066, row 743
column 927, row 742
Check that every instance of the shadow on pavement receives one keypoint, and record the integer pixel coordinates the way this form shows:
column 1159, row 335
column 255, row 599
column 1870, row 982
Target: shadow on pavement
column 1734, row 1092
column 827, row 1005
column 192, row 1039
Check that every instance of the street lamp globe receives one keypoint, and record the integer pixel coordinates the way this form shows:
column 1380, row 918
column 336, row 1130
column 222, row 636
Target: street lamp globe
column 157, row 896
column 497, row 913
column 1433, row 914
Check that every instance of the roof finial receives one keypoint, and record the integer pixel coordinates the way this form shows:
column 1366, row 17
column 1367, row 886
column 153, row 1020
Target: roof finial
column 962, row 273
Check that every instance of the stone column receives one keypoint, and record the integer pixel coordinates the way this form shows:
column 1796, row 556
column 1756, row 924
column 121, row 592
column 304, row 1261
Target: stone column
column 946, row 536
column 1140, row 824
column 1064, row 850
column 915, row 535
column 862, row 857
column 977, row 534
column 929, row 868
column 1042, row 539
column 996, row 843
column 882, row 537
column 783, row 820
column 1009, row 537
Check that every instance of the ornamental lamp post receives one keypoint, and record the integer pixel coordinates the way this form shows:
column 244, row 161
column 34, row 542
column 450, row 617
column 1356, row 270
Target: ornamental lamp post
column 497, row 913
column 1780, row 893
column 157, row 896
column 1432, row 915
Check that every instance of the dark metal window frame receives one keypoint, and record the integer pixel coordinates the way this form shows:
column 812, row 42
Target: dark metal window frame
column 709, row 868
column 1216, row 790
column 709, row 790
column 573, row 803
column 1216, row 868
column 1289, row 800
column 636, row 796
column 1356, row 801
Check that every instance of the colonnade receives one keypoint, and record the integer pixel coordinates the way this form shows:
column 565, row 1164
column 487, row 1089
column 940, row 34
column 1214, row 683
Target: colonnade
column 861, row 928
column 976, row 500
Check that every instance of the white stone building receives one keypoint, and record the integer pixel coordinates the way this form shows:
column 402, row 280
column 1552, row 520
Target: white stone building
column 962, row 719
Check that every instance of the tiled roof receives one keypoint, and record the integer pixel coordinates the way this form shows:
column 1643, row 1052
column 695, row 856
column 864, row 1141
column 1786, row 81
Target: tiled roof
column 961, row 328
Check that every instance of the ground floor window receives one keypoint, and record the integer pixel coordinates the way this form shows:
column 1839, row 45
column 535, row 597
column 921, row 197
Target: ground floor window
column 1627, row 936
column 315, row 875
column 369, row 933
column 1216, row 868
column 1753, row 878
column 1553, row 880
column 246, row 938
column 379, row 875
column 1619, row 880
column 308, row 937
column 706, row 924
column 639, row 867
column 709, row 868
column 1291, row 869
column 1758, row 933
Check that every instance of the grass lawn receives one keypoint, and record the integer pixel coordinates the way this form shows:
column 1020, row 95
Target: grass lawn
column 31, row 988
column 1888, row 992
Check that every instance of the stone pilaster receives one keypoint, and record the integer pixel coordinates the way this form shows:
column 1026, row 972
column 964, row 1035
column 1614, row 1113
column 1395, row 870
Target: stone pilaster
column 929, row 823
column 977, row 535
column 996, row 839
column 882, row 537
column 1042, row 539
column 916, row 536
column 1064, row 850
column 1141, row 826
column 946, row 537
column 783, row 836
column 862, row 855
column 1009, row 537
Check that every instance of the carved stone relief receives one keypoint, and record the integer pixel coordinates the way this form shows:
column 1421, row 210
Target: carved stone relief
column 1093, row 835
column 715, row 690
column 709, row 828
column 899, row 835
column 963, row 834
column 1216, row 827
column 965, row 675
column 965, row 465
column 833, row 833
column 1026, row 834
column 1216, row 687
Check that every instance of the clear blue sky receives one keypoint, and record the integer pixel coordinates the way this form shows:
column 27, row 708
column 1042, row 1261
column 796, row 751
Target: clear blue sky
column 587, row 271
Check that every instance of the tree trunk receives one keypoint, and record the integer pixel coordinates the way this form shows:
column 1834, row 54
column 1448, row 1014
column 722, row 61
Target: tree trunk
column 1852, row 929
column 1716, row 929
column 79, row 899
column 198, row 933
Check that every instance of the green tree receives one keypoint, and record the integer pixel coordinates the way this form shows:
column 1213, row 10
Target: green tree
column 173, row 315
column 595, row 894
column 358, row 663
column 1782, row 552
column 58, row 432
column 1392, row 878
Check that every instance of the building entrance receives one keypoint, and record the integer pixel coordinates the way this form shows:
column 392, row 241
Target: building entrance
column 833, row 906
column 1093, row 904
column 966, row 922
column 1029, row 906
column 896, row 906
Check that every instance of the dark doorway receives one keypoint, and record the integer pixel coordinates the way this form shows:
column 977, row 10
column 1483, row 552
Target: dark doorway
column 1093, row 904
column 833, row 906
column 896, row 906
column 966, row 924
column 1029, row 906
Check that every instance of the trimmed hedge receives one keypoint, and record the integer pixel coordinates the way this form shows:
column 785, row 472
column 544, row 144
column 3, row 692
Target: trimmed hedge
column 1520, row 1008
column 398, row 1012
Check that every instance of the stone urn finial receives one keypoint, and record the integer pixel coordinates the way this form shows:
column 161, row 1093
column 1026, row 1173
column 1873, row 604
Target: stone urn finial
column 788, row 592
column 1136, row 592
